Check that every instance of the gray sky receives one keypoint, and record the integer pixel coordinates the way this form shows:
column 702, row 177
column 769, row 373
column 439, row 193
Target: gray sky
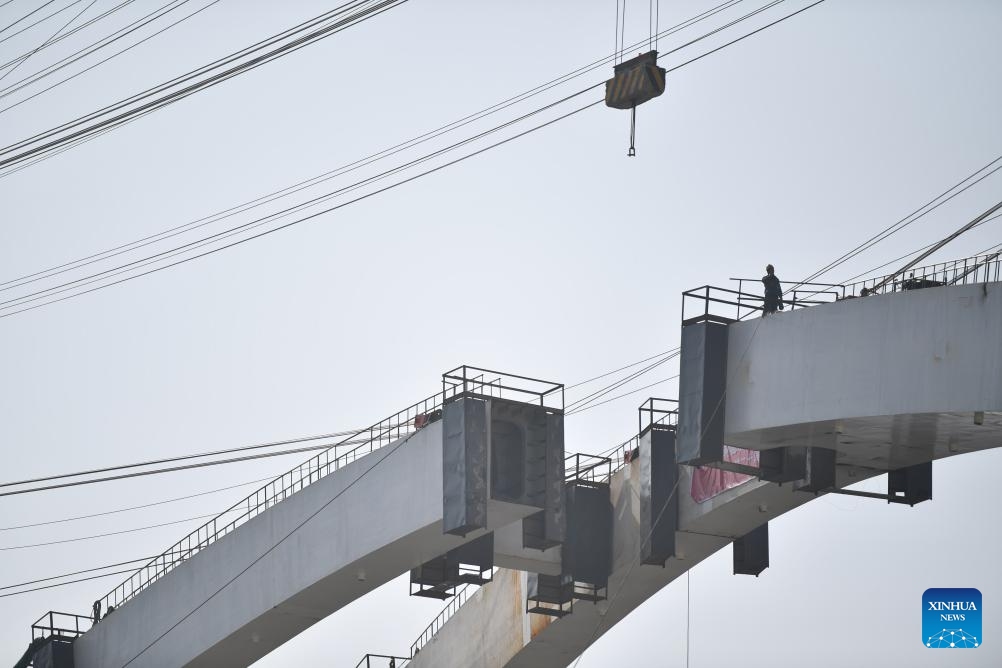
column 553, row 256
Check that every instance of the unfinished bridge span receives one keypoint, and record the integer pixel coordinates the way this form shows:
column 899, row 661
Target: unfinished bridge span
column 474, row 487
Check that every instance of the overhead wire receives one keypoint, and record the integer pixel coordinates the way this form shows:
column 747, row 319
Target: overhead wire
column 28, row 15
column 46, row 42
column 8, row 305
column 96, row 46
column 82, row 26
column 151, row 504
column 912, row 217
column 182, row 467
column 41, row 20
column 624, row 394
column 179, row 458
column 354, row 12
column 258, row 222
column 79, row 572
column 63, row 584
column 348, row 167
column 120, row 532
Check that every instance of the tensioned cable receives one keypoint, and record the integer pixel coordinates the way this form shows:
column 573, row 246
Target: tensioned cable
column 49, row 40
column 363, row 11
column 179, row 458
column 427, row 136
column 219, row 236
column 80, row 572
column 312, row 215
column 139, row 507
column 28, row 15
column 938, row 245
column 915, row 215
column 80, row 27
column 853, row 279
column 105, row 535
column 26, row 298
column 597, row 394
column 184, row 467
column 63, row 584
column 622, row 368
column 94, row 47
column 620, row 396
column 41, row 20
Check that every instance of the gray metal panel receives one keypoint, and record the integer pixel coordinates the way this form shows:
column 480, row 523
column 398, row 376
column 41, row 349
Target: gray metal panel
column 751, row 552
column 702, row 384
column 518, row 434
column 820, row 474
column 555, row 511
column 464, row 462
column 784, row 464
column 478, row 552
column 547, row 528
column 587, row 552
column 912, row 484
column 658, row 496
column 56, row 653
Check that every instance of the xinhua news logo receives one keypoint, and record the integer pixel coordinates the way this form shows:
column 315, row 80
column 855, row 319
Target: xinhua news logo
column 951, row 618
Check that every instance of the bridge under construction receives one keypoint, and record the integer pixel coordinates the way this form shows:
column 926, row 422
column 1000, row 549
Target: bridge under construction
column 539, row 550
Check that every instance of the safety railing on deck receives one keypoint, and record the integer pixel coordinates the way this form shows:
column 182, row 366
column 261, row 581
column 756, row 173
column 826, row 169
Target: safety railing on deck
column 62, row 624
column 710, row 302
column 579, row 467
column 977, row 269
column 382, row 661
column 462, row 381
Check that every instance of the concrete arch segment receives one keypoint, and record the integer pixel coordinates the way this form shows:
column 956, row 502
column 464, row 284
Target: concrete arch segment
column 378, row 517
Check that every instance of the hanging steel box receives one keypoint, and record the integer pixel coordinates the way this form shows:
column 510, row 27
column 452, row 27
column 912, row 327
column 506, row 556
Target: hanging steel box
column 635, row 81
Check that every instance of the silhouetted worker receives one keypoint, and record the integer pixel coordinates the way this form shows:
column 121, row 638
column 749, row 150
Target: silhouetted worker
column 773, row 291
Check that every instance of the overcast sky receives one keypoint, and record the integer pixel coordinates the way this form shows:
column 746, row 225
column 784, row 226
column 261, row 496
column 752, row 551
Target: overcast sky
column 554, row 256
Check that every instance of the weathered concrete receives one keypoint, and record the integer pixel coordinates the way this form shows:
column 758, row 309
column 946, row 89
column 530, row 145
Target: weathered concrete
column 291, row 566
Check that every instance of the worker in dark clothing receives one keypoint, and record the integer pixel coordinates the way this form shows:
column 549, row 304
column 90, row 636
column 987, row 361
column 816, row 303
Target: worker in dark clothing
column 773, row 291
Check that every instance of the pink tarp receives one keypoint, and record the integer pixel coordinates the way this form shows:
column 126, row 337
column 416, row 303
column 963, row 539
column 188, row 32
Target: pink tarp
column 709, row 482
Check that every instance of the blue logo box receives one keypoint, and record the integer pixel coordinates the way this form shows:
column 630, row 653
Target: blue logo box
column 951, row 618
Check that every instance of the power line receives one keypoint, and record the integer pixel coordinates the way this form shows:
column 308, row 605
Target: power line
column 139, row 507
column 80, row 572
column 312, row 215
column 28, row 15
column 258, row 222
column 354, row 13
column 184, row 467
column 622, row 368
column 63, row 584
column 352, row 166
column 80, row 27
column 105, row 535
column 179, row 458
column 41, row 20
column 625, row 394
column 48, row 41
column 915, row 215
column 94, row 47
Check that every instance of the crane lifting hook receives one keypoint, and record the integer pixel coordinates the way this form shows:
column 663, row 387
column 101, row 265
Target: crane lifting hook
column 634, row 82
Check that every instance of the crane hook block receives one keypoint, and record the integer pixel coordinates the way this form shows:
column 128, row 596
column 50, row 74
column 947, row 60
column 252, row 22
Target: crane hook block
column 635, row 81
